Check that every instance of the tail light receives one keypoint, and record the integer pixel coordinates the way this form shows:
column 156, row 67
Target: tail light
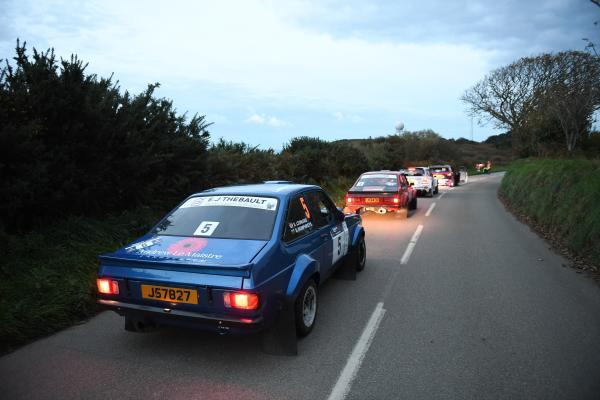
column 241, row 300
column 107, row 286
column 349, row 199
column 396, row 199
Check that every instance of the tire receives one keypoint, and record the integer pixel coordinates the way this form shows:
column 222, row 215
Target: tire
column 305, row 323
column 413, row 204
column 359, row 255
column 402, row 214
column 437, row 189
column 431, row 192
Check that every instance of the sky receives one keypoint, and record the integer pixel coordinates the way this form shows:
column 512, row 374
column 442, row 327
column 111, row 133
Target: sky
column 267, row 71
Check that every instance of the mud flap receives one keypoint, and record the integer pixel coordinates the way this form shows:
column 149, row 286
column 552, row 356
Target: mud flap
column 347, row 271
column 139, row 325
column 280, row 339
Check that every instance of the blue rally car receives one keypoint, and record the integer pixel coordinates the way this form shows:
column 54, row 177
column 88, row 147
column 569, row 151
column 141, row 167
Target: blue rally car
column 235, row 259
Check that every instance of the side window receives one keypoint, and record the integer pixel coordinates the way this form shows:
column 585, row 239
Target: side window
column 298, row 221
column 402, row 180
column 321, row 207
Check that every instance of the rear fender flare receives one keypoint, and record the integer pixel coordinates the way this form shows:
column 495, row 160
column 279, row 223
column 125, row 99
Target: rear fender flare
column 359, row 232
column 304, row 268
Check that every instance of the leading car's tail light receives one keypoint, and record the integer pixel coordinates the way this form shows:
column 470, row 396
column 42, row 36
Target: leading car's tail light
column 396, row 199
column 240, row 300
column 349, row 199
column 107, row 286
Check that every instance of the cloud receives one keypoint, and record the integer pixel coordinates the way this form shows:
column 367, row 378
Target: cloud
column 261, row 119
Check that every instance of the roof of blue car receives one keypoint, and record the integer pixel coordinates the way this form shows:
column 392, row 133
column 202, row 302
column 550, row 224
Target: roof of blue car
column 261, row 189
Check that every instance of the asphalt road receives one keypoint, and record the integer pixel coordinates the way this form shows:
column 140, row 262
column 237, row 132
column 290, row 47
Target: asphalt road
column 480, row 309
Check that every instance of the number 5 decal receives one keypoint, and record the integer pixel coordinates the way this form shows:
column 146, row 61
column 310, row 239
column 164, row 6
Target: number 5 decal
column 206, row 228
column 306, row 212
column 340, row 244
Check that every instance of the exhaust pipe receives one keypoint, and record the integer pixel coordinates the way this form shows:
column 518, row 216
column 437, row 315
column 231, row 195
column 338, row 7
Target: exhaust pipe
column 381, row 211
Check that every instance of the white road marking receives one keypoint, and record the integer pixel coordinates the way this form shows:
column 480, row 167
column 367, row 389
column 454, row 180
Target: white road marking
column 344, row 382
column 431, row 207
column 411, row 245
column 442, row 195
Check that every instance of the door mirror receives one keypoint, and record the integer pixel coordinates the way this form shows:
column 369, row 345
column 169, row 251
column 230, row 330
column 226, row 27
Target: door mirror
column 340, row 216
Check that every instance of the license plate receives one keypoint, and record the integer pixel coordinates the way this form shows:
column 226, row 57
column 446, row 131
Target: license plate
column 371, row 200
column 170, row 294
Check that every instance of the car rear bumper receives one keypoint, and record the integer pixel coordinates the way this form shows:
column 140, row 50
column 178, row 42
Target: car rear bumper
column 168, row 316
column 446, row 182
column 371, row 207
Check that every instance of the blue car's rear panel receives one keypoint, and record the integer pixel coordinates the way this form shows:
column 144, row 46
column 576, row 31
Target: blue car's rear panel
column 208, row 266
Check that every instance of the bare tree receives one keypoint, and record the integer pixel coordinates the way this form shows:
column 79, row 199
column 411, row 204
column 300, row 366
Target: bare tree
column 535, row 93
column 574, row 93
column 507, row 97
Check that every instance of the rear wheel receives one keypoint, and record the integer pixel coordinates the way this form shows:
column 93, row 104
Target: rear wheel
column 430, row 192
column 413, row 204
column 306, row 308
column 360, row 254
column 402, row 213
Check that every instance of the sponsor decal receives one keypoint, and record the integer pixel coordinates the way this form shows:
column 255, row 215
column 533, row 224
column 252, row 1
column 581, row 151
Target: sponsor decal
column 262, row 203
column 381, row 176
column 186, row 247
column 300, row 226
column 142, row 245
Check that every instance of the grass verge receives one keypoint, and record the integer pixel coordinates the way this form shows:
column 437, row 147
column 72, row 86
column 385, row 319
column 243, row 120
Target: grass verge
column 48, row 275
column 561, row 198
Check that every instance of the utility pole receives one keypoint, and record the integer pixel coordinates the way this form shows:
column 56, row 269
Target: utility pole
column 471, row 128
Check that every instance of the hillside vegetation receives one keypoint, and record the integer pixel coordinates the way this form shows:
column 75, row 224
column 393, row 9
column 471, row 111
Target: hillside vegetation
column 561, row 198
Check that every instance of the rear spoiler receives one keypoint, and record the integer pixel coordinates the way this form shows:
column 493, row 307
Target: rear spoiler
column 372, row 192
column 241, row 270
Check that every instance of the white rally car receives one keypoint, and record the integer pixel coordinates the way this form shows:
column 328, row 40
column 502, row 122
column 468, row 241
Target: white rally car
column 422, row 180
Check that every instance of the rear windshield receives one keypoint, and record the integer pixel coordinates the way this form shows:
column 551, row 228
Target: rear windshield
column 439, row 169
column 376, row 183
column 227, row 217
column 414, row 172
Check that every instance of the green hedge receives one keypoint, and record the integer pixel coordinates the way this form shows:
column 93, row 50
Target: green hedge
column 47, row 276
column 562, row 196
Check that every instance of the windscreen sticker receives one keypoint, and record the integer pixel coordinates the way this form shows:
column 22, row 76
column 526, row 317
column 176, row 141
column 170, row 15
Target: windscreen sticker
column 373, row 188
column 206, row 228
column 142, row 245
column 391, row 183
column 359, row 184
column 380, row 176
column 300, row 226
column 340, row 242
column 262, row 203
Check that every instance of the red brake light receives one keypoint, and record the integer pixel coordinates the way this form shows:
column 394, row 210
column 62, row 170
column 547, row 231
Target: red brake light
column 107, row 286
column 243, row 301
column 349, row 199
column 396, row 199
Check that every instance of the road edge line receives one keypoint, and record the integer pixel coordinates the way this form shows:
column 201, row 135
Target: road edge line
column 411, row 245
column 344, row 382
